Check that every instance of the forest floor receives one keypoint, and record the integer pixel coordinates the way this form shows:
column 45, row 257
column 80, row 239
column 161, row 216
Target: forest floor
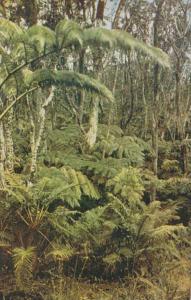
column 62, row 289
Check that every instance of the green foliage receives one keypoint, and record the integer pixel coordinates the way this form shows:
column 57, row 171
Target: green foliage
column 88, row 212
column 127, row 184
column 65, row 149
column 42, row 38
column 123, row 147
column 60, row 252
column 69, row 32
column 144, row 231
column 170, row 165
column 175, row 186
column 69, row 79
column 8, row 31
column 24, row 260
column 66, row 184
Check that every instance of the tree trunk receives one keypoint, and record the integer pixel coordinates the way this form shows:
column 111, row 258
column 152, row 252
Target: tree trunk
column 180, row 123
column 2, row 156
column 30, row 12
column 100, row 9
column 155, row 96
column 93, row 124
column 8, row 129
column 38, row 133
column 81, row 93
column 121, row 5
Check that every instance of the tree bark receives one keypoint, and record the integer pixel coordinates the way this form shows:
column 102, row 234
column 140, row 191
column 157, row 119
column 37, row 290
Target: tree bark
column 8, row 130
column 100, row 9
column 37, row 133
column 2, row 156
column 93, row 124
column 81, row 93
column 121, row 5
column 30, row 12
column 155, row 95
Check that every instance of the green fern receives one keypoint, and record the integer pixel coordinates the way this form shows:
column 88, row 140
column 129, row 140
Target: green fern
column 128, row 185
column 8, row 31
column 24, row 260
column 68, row 33
column 102, row 37
column 69, row 79
column 60, row 252
column 66, row 184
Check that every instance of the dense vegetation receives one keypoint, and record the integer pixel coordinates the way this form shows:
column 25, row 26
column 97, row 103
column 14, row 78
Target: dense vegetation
column 95, row 145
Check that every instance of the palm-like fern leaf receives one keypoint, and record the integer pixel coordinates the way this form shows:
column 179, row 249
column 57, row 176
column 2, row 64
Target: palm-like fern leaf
column 8, row 30
column 39, row 38
column 69, row 32
column 61, row 252
column 23, row 260
column 69, row 79
column 117, row 39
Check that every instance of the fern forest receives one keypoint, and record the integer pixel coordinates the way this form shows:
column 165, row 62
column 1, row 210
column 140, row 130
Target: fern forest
column 95, row 150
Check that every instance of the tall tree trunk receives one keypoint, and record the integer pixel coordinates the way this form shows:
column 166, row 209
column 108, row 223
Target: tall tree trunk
column 91, row 135
column 109, row 122
column 100, row 9
column 8, row 130
column 2, row 152
column 93, row 124
column 81, row 93
column 38, row 132
column 121, row 5
column 30, row 11
column 2, row 156
column 154, row 120
column 180, row 123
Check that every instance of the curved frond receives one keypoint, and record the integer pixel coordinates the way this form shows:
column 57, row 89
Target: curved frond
column 68, row 33
column 8, row 30
column 69, row 79
column 118, row 39
column 42, row 36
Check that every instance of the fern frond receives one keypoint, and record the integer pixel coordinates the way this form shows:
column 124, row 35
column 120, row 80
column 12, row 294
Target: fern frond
column 6, row 238
column 112, row 259
column 23, row 260
column 37, row 40
column 110, row 39
column 117, row 39
column 66, row 184
column 61, row 252
column 82, row 184
column 128, row 185
column 8, row 31
column 68, row 33
column 43, row 37
column 166, row 231
column 69, row 79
